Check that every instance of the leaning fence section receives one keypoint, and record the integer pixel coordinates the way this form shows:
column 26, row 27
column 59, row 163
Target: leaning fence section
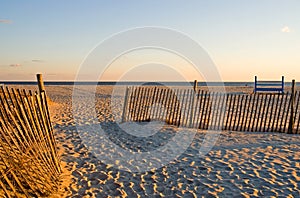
column 29, row 163
column 211, row 110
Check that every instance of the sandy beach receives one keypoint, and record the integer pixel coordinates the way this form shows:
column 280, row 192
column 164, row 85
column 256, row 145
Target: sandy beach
column 105, row 99
column 241, row 164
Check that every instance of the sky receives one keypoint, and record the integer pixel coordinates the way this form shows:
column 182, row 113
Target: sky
column 243, row 38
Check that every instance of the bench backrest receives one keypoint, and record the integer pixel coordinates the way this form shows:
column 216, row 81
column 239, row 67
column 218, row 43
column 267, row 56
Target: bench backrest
column 269, row 86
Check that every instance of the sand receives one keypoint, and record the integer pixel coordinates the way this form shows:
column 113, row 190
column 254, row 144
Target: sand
column 241, row 164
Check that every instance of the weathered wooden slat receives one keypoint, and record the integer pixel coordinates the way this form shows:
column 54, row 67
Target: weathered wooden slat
column 232, row 111
column 176, row 108
column 144, row 97
column 167, row 104
column 180, row 107
column 275, row 120
column 196, row 115
column 142, row 106
column 297, row 115
column 267, row 112
column 245, row 121
column 30, row 103
column 5, row 96
column 228, row 110
column 192, row 111
column 271, row 114
column 296, row 105
column 156, row 102
column 48, row 133
column 189, row 104
column 135, row 102
column 214, row 111
column 184, row 108
column 236, row 108
column 208, row 110
column 240, row 112
column 132, row 104
column 13, row 187
column 161, row 104
column 250, row 120
column 219, row 110
column 278, row 120
column 260, row 106
column 34, row 143
column 149, row 93
column 291, row 122
column 139, row 100
column 171, row 107
column 153, row 102
column 44, row 148
column 253, row 117
column 10, row 97
column 224, row 100
column 124, row 114
column 6, row 192
column 150, row 103
column 263, row 112
column 286, row 121
column 297, row 128
column 202, row 110
column 283, row 114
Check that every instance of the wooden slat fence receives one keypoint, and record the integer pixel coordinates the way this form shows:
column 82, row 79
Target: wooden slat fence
column 211, row 110
column 29, row 163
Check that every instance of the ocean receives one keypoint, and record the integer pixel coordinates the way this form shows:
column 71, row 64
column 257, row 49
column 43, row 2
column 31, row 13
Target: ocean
column 132, row 83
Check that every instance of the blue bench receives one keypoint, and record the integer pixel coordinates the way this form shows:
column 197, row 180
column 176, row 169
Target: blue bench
column 269, row 86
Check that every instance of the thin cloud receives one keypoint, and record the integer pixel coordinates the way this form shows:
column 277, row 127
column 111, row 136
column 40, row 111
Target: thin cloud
column 6, row 21
column 37, row 61
column 34, row 61
column 23, row 63
column 11, row 65
column 51, row 74
column 15, row 65
column 285, row 29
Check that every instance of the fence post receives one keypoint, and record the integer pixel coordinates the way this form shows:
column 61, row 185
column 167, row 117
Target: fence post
column 124, row 115
column 291, row 123
column 255, row 84
column 40, row 83
column 195, row 86
column 192, row 107
column 282, row 83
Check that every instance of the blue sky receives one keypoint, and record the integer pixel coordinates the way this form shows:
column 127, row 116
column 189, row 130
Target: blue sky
column 244, row 38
